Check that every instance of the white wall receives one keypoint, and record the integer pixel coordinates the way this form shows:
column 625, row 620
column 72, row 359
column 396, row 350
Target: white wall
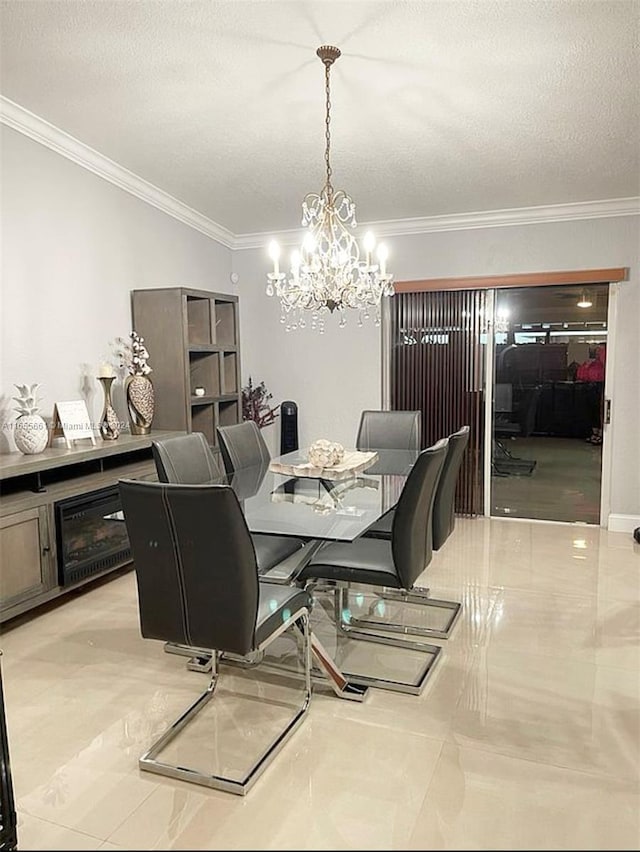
column 73, row 247
column 333, row 377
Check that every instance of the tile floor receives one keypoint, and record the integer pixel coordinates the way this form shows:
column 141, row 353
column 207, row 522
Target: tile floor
column 527, row 735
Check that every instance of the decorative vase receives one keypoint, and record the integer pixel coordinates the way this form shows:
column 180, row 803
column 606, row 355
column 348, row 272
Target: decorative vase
column 109, row 423
column 140, row 403
column 31, row 434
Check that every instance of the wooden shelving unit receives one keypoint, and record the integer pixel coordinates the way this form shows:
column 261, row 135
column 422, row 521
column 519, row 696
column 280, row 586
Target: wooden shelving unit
column 193, row 341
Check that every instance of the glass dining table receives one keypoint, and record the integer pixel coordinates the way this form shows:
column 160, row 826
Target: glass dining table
column 320, row 507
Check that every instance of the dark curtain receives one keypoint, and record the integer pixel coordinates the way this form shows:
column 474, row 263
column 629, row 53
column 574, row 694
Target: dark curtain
column 437, row 352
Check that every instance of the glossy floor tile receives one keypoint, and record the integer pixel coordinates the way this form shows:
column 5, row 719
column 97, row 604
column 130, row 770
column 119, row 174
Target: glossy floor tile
column 482, row 800
column 526, row 735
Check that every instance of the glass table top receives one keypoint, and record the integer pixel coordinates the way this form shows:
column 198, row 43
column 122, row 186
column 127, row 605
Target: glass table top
column 319, row 508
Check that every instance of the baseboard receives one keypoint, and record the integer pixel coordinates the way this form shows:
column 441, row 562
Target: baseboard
column 623, row 523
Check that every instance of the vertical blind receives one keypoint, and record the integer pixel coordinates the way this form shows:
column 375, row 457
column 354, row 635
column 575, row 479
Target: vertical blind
column 437, row 367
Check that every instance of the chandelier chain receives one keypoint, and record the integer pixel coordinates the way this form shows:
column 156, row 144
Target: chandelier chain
column 327, row 68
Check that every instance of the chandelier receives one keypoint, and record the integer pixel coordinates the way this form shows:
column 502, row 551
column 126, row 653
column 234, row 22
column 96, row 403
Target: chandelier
column 330, row 273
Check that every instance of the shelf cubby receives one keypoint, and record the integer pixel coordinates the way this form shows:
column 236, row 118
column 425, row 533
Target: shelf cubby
column 228, row 413
column 203, row 419
column 229, row 372
column 204, row 371
column 199, row 320
column 225, row 323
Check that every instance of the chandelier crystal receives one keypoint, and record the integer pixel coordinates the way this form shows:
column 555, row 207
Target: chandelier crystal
column 330, row 272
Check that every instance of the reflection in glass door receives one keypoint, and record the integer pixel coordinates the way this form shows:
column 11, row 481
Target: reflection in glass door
column 548, row 402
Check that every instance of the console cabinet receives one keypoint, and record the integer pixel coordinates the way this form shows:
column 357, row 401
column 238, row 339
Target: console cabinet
column 193, row 341
column 25, row 548
column 32, row 487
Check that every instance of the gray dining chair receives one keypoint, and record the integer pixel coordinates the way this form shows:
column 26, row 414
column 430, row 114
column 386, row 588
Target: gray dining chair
column 394, row 564
column 442, row 525
column 444, row 507
column 188, row 460
column 389, row 430
column 198, row 585
column 242, row 445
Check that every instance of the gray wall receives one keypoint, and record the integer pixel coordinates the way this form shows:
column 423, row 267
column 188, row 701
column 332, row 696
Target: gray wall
column 333, row 377
column 73, row 247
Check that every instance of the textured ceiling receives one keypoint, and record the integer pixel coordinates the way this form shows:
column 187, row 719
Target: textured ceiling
column 438, row 107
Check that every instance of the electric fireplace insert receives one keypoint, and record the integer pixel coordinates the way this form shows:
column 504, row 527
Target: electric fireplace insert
column 91, row 535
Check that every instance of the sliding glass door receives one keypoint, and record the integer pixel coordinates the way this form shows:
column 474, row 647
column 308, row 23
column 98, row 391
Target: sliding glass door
column 548, row 402
column 524, row 368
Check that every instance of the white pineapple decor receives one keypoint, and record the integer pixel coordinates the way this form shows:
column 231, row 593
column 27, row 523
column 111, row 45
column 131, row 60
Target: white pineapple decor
column 31, row 434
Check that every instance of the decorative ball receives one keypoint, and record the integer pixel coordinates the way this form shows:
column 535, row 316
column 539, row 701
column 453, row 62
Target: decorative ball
column 324, row 453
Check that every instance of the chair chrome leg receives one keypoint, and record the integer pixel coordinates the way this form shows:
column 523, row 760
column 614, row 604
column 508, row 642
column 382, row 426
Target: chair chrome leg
column 199, row 658
column 180, row 650
column 433, row 652
column 200, row 664
column 347, row 629
column 416, row 595
column 249, row 661
column 148, row 760
column 350, row 626
column 150, row 763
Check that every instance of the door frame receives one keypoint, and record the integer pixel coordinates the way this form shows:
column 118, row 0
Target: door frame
column 608, row 428
column 489, row 363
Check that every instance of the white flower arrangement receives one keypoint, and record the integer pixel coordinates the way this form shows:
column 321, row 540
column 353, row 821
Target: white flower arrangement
column 132, row 355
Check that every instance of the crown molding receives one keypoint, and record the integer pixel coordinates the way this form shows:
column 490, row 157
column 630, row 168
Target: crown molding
column 36, row 128
column 603, row 209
